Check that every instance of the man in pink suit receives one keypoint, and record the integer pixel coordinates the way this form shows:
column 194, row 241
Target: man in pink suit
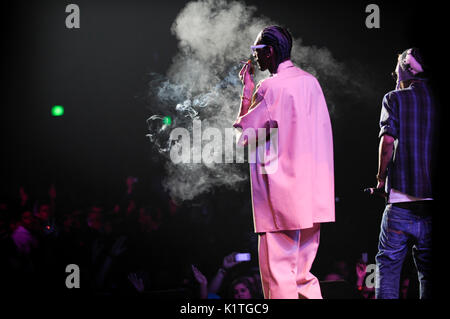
column 293, row 190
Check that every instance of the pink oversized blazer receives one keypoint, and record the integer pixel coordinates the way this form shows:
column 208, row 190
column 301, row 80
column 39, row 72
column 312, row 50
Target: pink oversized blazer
column 297, row 187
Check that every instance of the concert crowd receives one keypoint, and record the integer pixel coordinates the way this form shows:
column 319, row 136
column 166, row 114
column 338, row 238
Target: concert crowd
column 138, row 246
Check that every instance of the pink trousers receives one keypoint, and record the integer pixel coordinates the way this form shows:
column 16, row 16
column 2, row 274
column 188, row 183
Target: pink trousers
column 285, row 260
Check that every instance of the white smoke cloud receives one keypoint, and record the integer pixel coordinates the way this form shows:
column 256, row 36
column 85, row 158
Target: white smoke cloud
column 202, row 83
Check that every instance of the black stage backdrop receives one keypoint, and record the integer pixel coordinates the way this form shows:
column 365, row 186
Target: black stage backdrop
column 100, row 74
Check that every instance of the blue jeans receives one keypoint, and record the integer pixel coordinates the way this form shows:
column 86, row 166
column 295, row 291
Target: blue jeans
column 401, row 229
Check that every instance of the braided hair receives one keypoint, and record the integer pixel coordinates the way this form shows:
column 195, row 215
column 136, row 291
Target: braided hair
column 279, row 39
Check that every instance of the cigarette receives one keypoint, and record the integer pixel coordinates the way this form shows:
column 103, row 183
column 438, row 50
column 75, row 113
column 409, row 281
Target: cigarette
column 246, row 62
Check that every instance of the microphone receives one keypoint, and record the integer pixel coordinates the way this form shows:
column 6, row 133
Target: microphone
column 375, row 191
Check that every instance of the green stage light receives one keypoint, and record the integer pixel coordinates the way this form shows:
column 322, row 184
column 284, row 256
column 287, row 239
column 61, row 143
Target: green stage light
column 57, row 110
column 167, row 120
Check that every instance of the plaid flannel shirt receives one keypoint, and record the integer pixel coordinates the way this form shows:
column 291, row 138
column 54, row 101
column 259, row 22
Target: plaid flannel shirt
column 408, row 115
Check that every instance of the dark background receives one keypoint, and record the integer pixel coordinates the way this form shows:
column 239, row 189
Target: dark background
column 99, row 74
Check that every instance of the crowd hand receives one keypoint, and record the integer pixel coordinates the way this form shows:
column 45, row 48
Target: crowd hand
column 52, row 192
column 230, row 261
column 97, row 248
column 130, row 181
column 118, row 247
column 360, row 270
column 137, row 282
column 23, row 195
column 201, row 279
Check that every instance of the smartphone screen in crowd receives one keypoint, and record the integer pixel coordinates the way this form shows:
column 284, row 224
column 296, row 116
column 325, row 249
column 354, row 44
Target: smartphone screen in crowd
column 242, row 257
